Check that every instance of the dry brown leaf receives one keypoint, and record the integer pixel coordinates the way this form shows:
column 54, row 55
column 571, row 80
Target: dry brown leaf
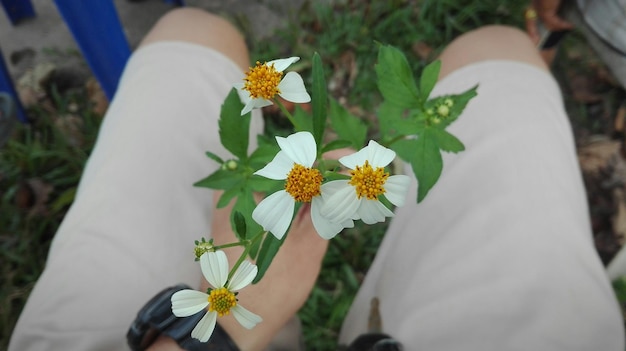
column 422, row 50
column 582, row 89
column 96, row 97
column 32, row 195
column 598, row 154
column 619, row 217
column 71, row 128
column 31, row 85
column 620, row 119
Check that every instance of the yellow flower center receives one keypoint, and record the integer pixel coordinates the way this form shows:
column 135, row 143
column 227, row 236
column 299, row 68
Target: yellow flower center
column 262, row 81
column 303, row 183
column 221, row 301
column 368, row 181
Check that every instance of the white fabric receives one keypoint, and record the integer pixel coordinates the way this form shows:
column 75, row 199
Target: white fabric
column 131, row 230
column 499, row 256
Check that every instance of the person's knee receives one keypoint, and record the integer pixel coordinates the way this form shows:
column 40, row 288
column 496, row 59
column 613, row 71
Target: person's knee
column 203, row 28
column 494, row 42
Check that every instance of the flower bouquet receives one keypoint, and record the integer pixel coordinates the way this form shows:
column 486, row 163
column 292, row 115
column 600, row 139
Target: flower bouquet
column 292, row 171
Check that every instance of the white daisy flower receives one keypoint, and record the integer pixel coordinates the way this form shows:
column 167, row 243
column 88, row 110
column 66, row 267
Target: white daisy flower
column 357, row 198
column 220, row 300
column 294, row 163
column 264, row 81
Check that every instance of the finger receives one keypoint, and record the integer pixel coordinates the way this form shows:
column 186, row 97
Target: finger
column 531, row 29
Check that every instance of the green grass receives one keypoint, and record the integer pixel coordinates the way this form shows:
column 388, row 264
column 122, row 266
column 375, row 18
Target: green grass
column 40, row 153
column 39, row 171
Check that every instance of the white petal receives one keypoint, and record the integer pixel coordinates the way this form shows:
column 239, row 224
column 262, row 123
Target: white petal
column 372, row 211
column 244, row 95
column 379, row 156
column 330, row 188
column 325, row 228
column 355, row 159
column 188, row 302
column 246, row 318
column 374, row 153
column 243, row 276
column 340, row 205
column 205, row 327
column 396, row 188
column 282, row 64
column 254, row 103
column 348, row 223
column 278, row 168
column 300, row 147
column 214, row 266
column 292, row 88
column 274, row 213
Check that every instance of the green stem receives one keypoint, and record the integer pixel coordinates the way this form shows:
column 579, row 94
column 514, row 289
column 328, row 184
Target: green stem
column 247, row 244
column 238, row 243
column 398, row 138
column 286, row 113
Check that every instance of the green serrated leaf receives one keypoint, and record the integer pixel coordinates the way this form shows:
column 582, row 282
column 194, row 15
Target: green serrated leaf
column 264, row 185
column 233, row 127
column 228, row 195
column 446, row 141
column 347, row 126
column 221, row 179
column 425, row 159
column 214, row 157
column 427, row 165
column 395, row 78
column 387, row 114
column 268, row 250
column 263, row 155
column 429, row 77
column 459, row 103
column 319, row 100
column 240, row 224
column 395, row 122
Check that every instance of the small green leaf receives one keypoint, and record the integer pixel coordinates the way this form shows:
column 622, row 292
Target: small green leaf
column 347, row 126
column 214, row 157
column 429, row 77
column 395, row 78
column 319, row 99
column 268, row 250
column 240, row 224
column 446, row 141
column 233, row 127
column 245, row 205
column 221, row 179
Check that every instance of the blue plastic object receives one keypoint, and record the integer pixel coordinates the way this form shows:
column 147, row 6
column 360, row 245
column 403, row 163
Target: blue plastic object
column 98, row 32
column 6, row 86
column 17, row 10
